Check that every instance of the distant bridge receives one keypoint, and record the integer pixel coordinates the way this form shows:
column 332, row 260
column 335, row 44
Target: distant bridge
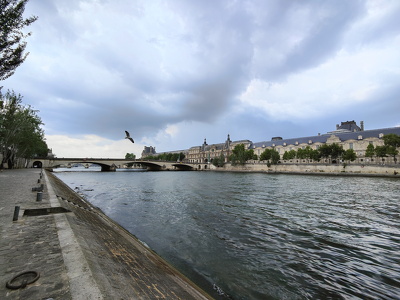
column 111, row 164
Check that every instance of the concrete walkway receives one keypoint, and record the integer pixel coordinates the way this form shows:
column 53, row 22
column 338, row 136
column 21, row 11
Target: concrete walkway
column 78, row 251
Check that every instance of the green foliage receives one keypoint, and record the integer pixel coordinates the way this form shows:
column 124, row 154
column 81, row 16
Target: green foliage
column 381, row 151
column 130, row 156
column 324, row 151
column 336, row 150
column 20, row 132
column 270, row 155
column 289, row 154
column 240, row 155
column 385, row 150
column 306, row 153
column 167, row 157
column 370, row 152
column 392, row 142
column 219, row 161
column 350, row 155
column 392, row 139
column 333, row 151
column 315, row 155
column 392, row 151
column 12, row 43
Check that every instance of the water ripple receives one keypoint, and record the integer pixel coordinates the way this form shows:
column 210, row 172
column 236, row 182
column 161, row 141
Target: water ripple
column 259, row 236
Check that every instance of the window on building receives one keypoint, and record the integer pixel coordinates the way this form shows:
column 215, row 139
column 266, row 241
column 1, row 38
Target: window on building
column 351, row 145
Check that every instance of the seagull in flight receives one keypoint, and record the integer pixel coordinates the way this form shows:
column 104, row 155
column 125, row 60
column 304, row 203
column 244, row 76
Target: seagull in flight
column 128, row 136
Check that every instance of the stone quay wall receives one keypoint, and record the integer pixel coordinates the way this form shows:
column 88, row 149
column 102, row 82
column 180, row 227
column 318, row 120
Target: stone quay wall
column 367, row 170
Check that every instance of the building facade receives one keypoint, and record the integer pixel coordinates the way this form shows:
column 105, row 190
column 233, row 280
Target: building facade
column 206, row 153
column 348, row 134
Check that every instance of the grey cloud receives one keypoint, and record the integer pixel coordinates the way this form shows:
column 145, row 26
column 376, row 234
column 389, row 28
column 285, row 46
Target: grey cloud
column 126, row 77
column 325, row 24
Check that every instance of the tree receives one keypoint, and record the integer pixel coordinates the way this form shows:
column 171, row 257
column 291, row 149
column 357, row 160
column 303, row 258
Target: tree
column 20, row 132
column 336, row 151
column 324, row 151
column 167, row 156
column 315, row 155
column 370, row 152
column 381, row 151
column 349, row 155
column 275, row 157
column 392, row 139
column 130, row 156
column 266, row 155
column 219, row 161
column 392, row 142
column 271, row 156
column 392, row 151
column 240, row 155
column 289, row 154
column 332, row 151
column 12, row 39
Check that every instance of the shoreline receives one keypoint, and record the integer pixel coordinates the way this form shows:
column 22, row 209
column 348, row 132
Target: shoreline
column 76, row 250
column 333, row 174
column 128, row 244
column 392, row 171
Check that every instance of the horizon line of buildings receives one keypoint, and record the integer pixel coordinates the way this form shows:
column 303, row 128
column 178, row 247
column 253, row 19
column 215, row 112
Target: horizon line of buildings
column 348, row 134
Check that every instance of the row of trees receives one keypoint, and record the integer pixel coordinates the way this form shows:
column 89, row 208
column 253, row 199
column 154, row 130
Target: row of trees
column 167, row 157
column 391, row 143
column 20, row 132
column 333, row 151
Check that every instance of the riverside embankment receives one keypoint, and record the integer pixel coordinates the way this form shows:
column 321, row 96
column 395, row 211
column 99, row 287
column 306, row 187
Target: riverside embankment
column 77, row 251
column 315, row 169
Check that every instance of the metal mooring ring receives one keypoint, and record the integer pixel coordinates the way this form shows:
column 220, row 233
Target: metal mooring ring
column 25, row 282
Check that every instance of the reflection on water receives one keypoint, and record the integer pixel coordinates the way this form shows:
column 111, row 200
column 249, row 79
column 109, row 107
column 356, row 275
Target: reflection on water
column 261, row 236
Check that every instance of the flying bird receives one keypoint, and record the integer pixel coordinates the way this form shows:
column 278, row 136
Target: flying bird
column 128, row 136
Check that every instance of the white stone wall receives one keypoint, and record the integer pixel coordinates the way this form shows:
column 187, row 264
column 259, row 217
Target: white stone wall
column 314, row 168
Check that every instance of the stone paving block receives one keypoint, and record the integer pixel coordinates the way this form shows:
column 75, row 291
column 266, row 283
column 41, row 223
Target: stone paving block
column 121, row 267
column 24, row 244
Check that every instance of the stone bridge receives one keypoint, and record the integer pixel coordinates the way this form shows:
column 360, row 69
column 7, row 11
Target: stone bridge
column 111, row 164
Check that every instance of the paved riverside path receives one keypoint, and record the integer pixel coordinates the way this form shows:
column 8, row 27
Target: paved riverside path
column 78, row 251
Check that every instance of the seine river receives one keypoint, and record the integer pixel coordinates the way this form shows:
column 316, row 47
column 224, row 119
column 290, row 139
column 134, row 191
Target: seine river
column 261, row 236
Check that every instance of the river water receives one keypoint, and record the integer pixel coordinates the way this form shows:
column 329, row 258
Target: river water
column 261, row 236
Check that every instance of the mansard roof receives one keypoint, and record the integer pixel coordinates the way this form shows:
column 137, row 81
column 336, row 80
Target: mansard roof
column 349, row 126
column 343, row 136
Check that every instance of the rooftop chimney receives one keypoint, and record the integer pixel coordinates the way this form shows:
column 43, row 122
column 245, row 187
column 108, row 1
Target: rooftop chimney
column 362, row 125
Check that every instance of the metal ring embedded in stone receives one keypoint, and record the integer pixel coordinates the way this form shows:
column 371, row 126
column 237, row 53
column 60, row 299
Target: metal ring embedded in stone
column 25, row 282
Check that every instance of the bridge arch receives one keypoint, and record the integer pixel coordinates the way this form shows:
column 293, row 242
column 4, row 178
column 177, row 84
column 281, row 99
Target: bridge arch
column 104, row 167
column 183, row 167
column 37, row 164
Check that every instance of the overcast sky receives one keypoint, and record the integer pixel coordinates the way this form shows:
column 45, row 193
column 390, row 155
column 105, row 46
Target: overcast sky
column 175, row 72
